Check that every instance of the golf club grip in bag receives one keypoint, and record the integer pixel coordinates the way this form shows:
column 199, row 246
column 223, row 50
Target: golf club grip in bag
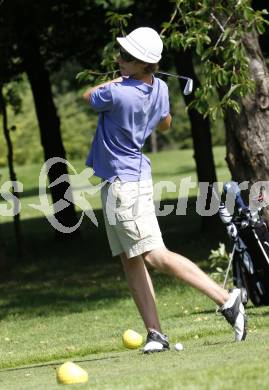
column 250, row 262
column 232, row 187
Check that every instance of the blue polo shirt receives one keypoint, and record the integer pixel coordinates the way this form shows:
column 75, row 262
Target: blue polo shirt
column 128, row 113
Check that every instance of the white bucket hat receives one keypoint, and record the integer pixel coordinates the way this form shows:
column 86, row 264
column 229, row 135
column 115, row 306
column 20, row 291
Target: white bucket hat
column 143, row 43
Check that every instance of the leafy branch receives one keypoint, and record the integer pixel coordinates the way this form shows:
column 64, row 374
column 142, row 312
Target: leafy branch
column 215, row 31
column 118, row 23
column 218, row 260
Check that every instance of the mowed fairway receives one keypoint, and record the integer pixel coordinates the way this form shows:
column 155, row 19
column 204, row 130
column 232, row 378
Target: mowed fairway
column 210, row 359
column 70, row 301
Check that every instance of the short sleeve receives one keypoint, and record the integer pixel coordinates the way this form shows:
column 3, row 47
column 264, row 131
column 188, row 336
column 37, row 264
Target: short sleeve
column 165, row 102
column 101, row 99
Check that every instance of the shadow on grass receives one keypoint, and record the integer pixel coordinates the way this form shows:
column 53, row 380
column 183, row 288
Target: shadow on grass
column 80, row 274
column 59, row 362
column 35, row 303
column 256, row 310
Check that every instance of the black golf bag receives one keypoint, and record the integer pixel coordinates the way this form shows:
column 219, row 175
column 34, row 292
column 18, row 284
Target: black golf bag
column 250, row 254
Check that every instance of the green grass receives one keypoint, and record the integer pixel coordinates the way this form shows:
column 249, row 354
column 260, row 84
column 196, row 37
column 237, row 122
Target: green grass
column 69, row 301
column 79, row 318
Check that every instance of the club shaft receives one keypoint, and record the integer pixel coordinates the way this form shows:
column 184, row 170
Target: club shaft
column 229, row 266
column 173, row 75
column 159, row 72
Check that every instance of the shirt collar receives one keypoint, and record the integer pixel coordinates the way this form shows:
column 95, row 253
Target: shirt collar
column 140, row 85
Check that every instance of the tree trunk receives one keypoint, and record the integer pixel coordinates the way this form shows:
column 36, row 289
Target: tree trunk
column 247, row 133
column 201, row 134
column 12, row 174
column 49, row 125
column 4, row 264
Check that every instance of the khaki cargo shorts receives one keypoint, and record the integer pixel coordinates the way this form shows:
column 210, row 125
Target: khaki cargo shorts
column 131, row 223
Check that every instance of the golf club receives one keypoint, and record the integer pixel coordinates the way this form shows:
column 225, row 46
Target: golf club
column 189, row 84
column 187, row 89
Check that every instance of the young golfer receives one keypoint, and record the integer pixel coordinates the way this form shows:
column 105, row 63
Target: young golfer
column 130, row 108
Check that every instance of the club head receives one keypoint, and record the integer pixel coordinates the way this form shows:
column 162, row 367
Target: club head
column 188, row 87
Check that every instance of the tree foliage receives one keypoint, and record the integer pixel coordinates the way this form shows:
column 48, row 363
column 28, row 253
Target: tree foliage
column 117, row 23
column 215, row 30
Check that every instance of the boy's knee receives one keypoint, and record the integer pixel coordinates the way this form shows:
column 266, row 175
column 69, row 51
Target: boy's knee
column 157, row 258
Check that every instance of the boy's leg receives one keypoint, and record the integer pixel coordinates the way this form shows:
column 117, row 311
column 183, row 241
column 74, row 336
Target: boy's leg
column 231, row 305
column 142, row 291
column 141, row 287
column 182, row 268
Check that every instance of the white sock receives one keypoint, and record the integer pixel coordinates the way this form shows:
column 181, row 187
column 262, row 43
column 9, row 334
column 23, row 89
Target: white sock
column 233, row 296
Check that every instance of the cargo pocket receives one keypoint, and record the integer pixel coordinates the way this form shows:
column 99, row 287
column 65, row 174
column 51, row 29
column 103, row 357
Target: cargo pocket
column 135, row 227
column 144, row 226
column 127, row 225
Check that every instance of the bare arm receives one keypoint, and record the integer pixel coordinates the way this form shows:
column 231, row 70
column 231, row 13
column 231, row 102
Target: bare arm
column 165, row 123
column 87, row 94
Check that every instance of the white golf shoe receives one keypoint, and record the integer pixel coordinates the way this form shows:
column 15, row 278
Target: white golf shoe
column 156, row 342
column 234, row 312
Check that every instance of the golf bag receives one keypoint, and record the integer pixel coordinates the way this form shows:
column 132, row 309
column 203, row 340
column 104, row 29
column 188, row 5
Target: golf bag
column 250, row 254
